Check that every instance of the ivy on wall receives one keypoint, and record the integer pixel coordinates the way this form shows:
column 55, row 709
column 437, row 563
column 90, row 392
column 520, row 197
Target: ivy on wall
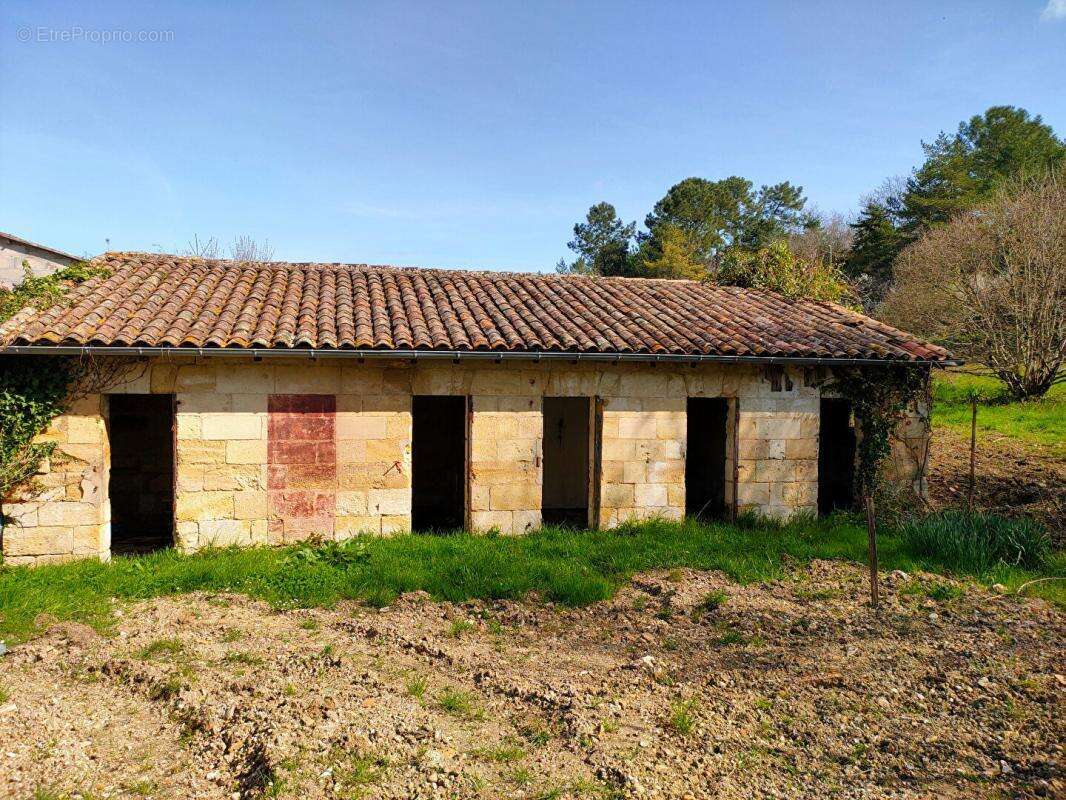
column 879, row 396
column 34, row 390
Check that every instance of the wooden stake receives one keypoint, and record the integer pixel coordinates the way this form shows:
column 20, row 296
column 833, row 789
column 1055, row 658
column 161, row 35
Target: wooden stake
column 871, row 530
column 973, row 450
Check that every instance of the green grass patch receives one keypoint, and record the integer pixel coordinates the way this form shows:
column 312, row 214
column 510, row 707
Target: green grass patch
column 161, row 647
column 975, row 543
column 416, row 688
column 459, row 704
column 354, row 772
column 561, row 565
column 459, row 627
column 245, row 659
column 682, row 719
column 502, row 754
column 710, row 603
column 1041, row 422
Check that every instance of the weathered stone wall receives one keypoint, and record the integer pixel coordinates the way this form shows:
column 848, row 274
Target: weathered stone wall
column 906, row 466
column 276, row 451
column 68, row 516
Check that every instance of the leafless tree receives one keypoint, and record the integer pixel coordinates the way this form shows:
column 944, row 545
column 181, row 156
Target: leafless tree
column 202, row 248
column 888, row 195
column 828, row 241
column 245, row 248
column 991, row 284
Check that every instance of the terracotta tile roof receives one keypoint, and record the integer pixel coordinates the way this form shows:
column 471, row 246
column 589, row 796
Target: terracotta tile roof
column 168, row 301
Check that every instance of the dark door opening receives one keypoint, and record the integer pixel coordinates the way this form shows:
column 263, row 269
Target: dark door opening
column 565, row 498
column 438, row 463
column 141, row 483
column 836, row 457
column 705, row 457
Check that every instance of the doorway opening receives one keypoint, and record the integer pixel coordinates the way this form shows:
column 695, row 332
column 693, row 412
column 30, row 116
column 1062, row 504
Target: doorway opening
column 438, row 462
column 705, row 457
column 836, row 457
column 141, row 482
column 567, row 444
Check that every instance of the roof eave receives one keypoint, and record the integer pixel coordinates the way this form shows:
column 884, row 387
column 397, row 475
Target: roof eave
column 460, row 355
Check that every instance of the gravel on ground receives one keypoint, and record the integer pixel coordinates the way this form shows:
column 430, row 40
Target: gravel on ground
column 684, row 685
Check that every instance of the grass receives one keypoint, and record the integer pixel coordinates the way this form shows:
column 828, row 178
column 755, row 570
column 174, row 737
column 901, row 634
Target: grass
column 459, row 627
column 161, row 647
column 682, row 718
column 1041, row 422
column 246, row 659
column 502, row 754
column 416, row 688
column 459, row 704
column 562, row 565
column 710, row 603
column 975, row 543
column 353, row 772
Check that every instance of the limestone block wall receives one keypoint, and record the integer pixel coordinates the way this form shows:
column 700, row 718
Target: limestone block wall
column 506, row 451
column 277, row 453
column 643, row 457
column 906, row 465
column 68, row 515
column 283, row 449
column 778, row 454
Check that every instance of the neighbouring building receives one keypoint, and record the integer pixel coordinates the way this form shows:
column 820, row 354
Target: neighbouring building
column 273, row 402
column 17, row 254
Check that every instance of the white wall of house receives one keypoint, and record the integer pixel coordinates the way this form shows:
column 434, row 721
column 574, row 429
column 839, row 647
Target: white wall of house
column 15, row 256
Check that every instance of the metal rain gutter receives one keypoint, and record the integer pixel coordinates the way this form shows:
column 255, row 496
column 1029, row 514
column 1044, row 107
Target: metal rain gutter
column 451, row 355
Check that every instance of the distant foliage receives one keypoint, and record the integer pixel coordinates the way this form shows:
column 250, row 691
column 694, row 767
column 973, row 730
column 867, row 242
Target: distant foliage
column 978, row 542
column 692, row 228
column 964, row 170
column 603, row 244
column 776, row 268
column 961, row 172
column 674, row 258
column 992, row 285
column 877, row 242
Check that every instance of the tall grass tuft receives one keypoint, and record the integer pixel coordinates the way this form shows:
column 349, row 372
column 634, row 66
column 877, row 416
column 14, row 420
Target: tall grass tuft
column 977, row 542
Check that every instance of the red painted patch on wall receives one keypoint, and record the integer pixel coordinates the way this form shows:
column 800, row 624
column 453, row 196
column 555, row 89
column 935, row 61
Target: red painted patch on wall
column 301, row 463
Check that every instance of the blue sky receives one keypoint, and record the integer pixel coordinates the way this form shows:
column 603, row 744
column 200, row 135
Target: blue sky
column 476, row 134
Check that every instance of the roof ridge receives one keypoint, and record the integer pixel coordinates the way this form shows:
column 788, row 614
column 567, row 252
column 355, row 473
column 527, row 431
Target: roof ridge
column 231, row 263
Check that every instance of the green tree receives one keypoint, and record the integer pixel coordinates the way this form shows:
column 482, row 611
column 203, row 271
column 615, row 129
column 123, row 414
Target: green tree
column 878, row 240
column 675, row 258
column 962, row 171
column 776, row 268
column 717, row 215
column 603, row 244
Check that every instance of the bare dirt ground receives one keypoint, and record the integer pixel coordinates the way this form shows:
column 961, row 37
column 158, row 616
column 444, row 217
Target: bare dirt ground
column 789, row 689
column 1013, row 478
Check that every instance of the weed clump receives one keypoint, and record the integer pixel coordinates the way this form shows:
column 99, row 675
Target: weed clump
column 978, row 542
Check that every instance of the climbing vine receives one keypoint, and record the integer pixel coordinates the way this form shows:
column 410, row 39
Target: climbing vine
column 879, row 396
column 34, row 390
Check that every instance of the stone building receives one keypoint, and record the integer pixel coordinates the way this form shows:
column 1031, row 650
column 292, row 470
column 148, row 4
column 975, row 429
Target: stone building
column 17, row 254
column 268, row 403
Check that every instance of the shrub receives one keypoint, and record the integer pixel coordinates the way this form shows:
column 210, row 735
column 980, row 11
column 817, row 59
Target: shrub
column 977, row 542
